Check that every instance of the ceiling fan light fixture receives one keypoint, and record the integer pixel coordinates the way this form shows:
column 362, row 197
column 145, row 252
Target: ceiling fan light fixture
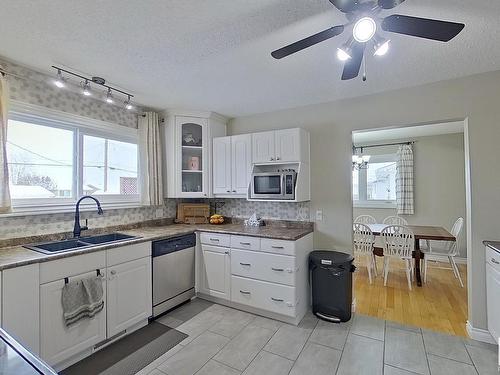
column 381, row 47
column 343, row 54
column 364, row 29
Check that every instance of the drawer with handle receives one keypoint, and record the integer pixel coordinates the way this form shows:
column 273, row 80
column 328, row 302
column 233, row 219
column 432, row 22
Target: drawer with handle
column 245, row 242
column 493, row 258
column 215, row 239
column 277, row 246
column 263, row 266
column 277, row 298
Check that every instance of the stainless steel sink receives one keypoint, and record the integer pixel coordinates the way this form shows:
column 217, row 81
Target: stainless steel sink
column 78, row 243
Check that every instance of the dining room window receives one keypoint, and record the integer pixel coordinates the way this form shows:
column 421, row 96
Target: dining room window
column 375, row 184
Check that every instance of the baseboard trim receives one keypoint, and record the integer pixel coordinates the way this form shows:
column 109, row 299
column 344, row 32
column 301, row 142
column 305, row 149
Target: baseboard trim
column 479, row 334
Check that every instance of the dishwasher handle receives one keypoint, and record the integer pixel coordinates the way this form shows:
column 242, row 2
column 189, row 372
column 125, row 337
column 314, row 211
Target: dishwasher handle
column 171, row 245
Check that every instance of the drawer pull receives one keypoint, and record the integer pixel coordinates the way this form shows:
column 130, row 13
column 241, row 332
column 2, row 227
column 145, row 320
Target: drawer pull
column 495, row 261
column 277, row 269
column 277, row 247
column 245, row 264
column 214, row 239
column 245, row 243
column 277, row 299
column 244, row 292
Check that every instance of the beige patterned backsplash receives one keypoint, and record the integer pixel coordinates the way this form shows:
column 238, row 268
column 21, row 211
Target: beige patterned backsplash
column 37, row 89
column 32, row 225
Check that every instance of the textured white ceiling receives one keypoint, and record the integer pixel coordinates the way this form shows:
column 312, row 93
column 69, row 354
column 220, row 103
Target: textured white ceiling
column 215, row 55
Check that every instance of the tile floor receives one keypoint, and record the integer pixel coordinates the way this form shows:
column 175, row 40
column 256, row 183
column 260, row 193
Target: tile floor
column 224, row 341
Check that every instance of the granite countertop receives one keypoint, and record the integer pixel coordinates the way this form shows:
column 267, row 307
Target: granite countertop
column 16, row 256
column 495, row 245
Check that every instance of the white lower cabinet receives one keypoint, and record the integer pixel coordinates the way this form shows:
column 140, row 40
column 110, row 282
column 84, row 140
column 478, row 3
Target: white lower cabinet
column 59, row 342
column 493, row 291
column 215, row 271
column 129, row 295
column 20, row 305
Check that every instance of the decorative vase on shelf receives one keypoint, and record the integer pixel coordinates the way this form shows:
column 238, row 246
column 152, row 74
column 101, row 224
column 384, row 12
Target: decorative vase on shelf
column 194, row 163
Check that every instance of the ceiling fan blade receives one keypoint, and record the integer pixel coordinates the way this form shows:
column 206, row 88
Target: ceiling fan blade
column 389, row 4
column 308, row 42
column 351, row 66
column 427, row 28
column 345, row 6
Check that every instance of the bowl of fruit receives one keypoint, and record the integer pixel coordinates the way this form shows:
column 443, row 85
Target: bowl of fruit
column 216, row 219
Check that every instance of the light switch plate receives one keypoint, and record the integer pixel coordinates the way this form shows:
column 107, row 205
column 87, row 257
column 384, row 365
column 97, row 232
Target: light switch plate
column 319, row 215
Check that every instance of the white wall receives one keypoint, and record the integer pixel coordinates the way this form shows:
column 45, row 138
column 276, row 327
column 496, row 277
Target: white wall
column 330, row 124
column 439, row 187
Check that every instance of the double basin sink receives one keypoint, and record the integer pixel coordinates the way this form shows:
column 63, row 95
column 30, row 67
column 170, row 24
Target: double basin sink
column 78, row 243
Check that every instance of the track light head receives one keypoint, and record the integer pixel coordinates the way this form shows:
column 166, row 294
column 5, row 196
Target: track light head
column 86, row 88
column 128, row 105
column 109, row 97
column 59, row 81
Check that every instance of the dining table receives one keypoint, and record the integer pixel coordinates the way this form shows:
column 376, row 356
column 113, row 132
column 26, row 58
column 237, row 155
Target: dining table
column 420, row 232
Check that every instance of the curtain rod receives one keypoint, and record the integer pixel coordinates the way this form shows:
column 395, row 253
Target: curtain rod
column 386, row 144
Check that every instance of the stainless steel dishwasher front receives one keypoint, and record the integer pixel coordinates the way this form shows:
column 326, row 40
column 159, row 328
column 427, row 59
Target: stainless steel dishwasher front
column 173, row 272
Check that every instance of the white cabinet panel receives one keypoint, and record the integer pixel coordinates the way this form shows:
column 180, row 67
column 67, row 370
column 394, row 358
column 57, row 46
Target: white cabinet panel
column 222, row 165
column 59, row 342
column 215, row 239
column 245, row 242
column 278, row 246
column 263, row 147
column 288, row 145
column 20, row 305
column 129, row 294
column 216, row 271
column 127, row 253
column 241, row 156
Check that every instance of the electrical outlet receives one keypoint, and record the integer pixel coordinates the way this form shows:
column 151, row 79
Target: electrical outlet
column 319, row 215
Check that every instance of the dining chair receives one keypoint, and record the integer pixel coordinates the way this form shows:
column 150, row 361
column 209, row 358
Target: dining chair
column 365, row 219
column 395, row 220
column 450, row 250
column 363, row 240
column 398, row 242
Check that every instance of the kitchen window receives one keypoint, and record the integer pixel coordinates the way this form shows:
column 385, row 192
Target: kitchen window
column 375, row 186
column 53, row 159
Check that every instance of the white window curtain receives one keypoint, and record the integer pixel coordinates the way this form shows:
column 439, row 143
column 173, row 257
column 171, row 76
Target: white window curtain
column 404, row 180
column 150, row 159
column 5, row 203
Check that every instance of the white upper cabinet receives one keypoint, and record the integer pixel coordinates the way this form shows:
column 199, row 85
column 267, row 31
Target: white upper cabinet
column 241, row 155
column 188, row 153
column 263, row 147
column 281, row 146
column 222, row 165
column 232, row 165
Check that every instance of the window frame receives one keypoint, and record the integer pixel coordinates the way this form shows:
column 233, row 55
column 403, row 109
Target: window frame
column 363, row 202
column 80, row 126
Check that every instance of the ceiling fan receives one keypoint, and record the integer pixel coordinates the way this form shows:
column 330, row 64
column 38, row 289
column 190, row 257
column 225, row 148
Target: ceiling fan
column 365, row 17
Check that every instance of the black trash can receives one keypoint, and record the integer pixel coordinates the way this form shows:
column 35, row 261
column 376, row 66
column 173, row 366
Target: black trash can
column 331, row 276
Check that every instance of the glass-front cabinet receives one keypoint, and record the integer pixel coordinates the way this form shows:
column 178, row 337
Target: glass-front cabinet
column 188, row 150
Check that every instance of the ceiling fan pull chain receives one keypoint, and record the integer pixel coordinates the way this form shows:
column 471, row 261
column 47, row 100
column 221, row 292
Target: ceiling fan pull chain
column 364, row 69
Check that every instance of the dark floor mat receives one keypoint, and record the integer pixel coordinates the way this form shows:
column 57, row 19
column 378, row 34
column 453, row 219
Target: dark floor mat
column 130, row 354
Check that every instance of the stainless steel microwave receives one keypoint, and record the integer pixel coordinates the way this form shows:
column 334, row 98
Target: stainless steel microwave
column 273, row 185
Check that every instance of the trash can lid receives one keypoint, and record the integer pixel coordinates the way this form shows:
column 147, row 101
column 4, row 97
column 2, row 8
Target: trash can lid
column 336, row 257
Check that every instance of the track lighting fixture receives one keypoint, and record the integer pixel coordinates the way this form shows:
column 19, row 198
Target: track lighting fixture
column 59, row 81
column 86, row 88
column 128, row 104
column 109, row 97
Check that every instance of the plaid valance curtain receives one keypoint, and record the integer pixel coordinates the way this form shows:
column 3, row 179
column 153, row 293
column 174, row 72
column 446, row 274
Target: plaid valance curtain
column 404, row 180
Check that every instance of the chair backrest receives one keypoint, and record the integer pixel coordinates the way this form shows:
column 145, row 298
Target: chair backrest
column 456, row 230
column 395, row 220
column 363, row 238
column 398, row 240
column 365, row 219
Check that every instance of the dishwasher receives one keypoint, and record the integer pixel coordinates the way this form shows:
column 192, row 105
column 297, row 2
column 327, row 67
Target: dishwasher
column 173, row 272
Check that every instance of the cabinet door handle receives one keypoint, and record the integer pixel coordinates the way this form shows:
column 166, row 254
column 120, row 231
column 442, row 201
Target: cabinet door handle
column 272, row 159
column 277, row 269
column 495, row 261
column 244, row 292
column 278, row 158
column 277, row 299
column 214, row 239
column 245, row 243
column 226, row 252
column 228, row 191
column 277, row 247
column 246, row 264
column 234, row 191
column 113, row 272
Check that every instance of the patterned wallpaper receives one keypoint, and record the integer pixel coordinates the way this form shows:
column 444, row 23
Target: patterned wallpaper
column 37, row 89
